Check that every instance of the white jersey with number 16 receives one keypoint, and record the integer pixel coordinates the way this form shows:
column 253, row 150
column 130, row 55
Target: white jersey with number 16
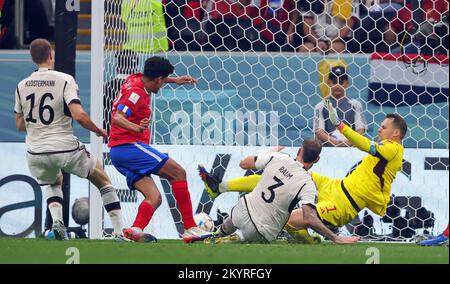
column 43, row 99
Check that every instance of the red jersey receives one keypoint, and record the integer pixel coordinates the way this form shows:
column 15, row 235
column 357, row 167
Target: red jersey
column 433, row 10
column 277, row 14
column 134, row 101
column 232, row 9
column 280, row 16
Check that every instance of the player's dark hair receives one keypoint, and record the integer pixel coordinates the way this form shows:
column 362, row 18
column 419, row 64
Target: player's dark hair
column 157, row 67
column 40, row 50
column 311, row 150
column 399, row 123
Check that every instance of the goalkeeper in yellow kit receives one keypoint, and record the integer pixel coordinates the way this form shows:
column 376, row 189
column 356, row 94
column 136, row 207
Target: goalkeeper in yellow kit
column 339, row 201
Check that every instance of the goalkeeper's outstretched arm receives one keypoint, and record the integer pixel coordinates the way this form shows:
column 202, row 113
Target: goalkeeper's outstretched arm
column 358, row 140
column 354, row 137
column 387, row 151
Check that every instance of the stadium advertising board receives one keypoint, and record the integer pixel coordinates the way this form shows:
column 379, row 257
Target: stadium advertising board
column 422, row 186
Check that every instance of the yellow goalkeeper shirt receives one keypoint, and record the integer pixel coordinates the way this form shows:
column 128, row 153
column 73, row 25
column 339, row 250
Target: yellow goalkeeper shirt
column 370, row 183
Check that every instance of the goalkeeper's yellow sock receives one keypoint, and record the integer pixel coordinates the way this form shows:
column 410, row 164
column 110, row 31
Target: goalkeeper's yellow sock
column 241, row 184
column 301, row 235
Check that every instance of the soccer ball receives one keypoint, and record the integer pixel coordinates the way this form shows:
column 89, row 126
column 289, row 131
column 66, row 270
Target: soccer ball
column 49, row 235
column 80, row 211
column 204, row 221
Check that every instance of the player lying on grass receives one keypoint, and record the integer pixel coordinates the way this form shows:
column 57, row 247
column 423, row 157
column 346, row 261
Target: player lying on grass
column 133, row 157
column 46, row 103
column 339, row 201
column 262, row 214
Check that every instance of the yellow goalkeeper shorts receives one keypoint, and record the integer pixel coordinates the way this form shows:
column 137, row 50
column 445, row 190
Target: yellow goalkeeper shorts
column 333, row 206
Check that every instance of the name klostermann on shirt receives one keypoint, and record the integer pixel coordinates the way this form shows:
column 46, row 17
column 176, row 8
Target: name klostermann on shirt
column 225, row 273
column 40, row 83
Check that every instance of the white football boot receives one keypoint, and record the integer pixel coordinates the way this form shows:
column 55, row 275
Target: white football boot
column 195, row 234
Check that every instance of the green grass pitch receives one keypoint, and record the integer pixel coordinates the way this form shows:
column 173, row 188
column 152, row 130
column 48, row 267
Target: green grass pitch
column 16, row 250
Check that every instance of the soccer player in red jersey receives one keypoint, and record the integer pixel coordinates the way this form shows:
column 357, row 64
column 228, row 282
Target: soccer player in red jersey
column 133, row 157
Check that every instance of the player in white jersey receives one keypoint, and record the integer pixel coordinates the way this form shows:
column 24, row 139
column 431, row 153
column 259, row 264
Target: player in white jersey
column 46, row 103
column 262, row 214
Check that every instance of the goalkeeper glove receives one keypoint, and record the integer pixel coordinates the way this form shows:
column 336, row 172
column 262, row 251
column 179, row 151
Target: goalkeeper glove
column 332, row 113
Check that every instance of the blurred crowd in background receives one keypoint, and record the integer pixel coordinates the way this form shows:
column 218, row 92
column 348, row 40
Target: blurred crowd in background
column 324, row 26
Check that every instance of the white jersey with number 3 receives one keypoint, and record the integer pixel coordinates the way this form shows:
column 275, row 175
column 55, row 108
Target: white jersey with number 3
column 43, row 99
column 283, row 184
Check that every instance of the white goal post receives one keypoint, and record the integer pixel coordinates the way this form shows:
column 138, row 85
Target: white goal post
column 97, row 70
column 252, row 94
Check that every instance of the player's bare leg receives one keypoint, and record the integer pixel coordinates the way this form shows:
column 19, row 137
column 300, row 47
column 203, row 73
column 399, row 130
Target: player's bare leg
column 176, row 175
column 54, row 196
column 109, row 196
column 146, row 210
column 148, row 188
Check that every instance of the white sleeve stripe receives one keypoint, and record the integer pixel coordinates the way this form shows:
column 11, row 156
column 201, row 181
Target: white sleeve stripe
column 156, row 157
column 64, row 89
column 18, row 93
column 269, row 161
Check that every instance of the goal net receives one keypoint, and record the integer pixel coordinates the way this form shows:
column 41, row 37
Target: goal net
column 263, row 68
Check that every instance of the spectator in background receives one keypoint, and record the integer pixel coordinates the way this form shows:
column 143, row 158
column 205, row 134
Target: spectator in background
column 146, row 26
column 49, row 7
column 7, row 40
column 348, row 110
column 432, row 33
column 330, row 30
column 183, row 18
column 39, row 20
column 306, row 8
column 230, row 26
column 374, row 21
column 127, row 63
column 277, row 23
column 175, row 22
column 190, row 31
column 195, row 9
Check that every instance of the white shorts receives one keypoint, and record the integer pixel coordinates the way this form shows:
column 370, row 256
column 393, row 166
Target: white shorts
column 241, row 220
column 46, row 168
